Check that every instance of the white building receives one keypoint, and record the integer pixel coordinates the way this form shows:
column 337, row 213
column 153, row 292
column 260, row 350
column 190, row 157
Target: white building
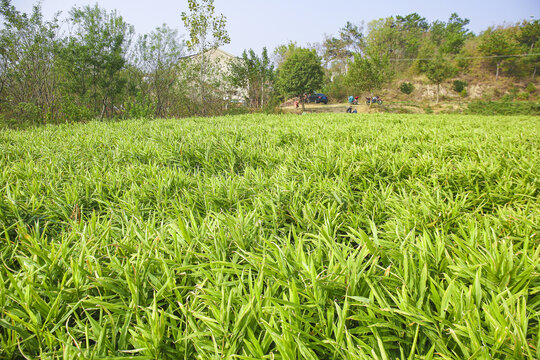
column 216, row 71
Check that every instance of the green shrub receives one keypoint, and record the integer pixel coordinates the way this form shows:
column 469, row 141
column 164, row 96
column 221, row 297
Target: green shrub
column 406, row 88
column 459, row 85
column 491, row 94
column 237, row 110
column 140, row 108
column 429, row 110
column 336, row 90
column 514, row 92
column 530, row 88
column 73, row 112
column 507, row 98
column 29, row 112
column 503, row 108
column 523, row 96
column 463, row 93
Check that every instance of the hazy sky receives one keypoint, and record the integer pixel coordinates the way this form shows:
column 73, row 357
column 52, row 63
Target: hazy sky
column 257, row 23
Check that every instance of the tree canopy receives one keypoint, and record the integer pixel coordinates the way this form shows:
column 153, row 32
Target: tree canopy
column 300, row 73
column 369, row 73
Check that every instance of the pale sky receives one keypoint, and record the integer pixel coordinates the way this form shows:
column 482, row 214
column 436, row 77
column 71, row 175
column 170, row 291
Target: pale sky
column 257, row 23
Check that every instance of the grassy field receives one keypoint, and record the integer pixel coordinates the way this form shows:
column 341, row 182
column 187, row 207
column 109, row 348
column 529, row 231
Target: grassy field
column 328, row 236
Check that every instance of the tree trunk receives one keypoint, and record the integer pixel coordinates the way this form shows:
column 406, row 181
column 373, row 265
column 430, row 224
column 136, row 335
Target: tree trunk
column 534, row 71
column 201, row 81
column 497, row 73
column 102, row 112
column 438, row 85
column 262, row 94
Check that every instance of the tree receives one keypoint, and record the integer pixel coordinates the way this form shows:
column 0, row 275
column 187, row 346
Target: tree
column 300, row 73
column 398, row 38
column 411, row 28
column 336, row 54
column 95, row 56
column 27, row 64
column 207, row 31
column 498, row 43
column 530, row 36
column 383, row 38
column 450, row 36
column 353, row 37
column 282, row 52
column 369, row 73
column 157, row 57
column 439, row 70
column 255, row 74
column 338, row 50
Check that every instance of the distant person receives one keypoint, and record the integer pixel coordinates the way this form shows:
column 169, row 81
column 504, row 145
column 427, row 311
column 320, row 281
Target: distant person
column 349, row 109
column 354, row 111
column 296, row 104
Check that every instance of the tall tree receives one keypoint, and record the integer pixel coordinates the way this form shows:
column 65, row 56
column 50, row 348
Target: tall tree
column 301, row 73
column 530, row 36
column 439, row 70
column 94, row 57
column 282, row 52
column 254, row 74
column 338, row 50
column 207, row 31
column 27, row 63
column 411, row 28
column 498, row 44
column 353, row 37
column 369, row 73
column 398, row 37
column 157, row 56
column 450, row 36
column 383, row 37
column 336, row 54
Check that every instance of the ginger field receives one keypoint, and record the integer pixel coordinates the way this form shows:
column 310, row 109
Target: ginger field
column 328, row 236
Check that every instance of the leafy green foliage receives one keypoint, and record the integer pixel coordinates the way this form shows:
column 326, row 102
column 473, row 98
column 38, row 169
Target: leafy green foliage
column 498, row 42
column 450, row 36
column 503, row 108
column 529, row 35
column 459, row 85
column 283, row 51
column 207, row 31
column 27, row 59
column 439, row 70
column 256, row 74
column 281, row 237
column 406, row 87
column 338, row 50
column 156, row 67
column 94, row 56
column 336, row 88
column 300, row 73
column 369, row 73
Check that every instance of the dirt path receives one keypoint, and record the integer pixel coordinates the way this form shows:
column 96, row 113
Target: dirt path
column 393, row 107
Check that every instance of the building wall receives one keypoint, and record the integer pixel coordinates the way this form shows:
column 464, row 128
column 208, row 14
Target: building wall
column 220, row 63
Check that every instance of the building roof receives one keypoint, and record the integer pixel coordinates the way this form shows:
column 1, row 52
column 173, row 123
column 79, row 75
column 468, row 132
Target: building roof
column 218, row 52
